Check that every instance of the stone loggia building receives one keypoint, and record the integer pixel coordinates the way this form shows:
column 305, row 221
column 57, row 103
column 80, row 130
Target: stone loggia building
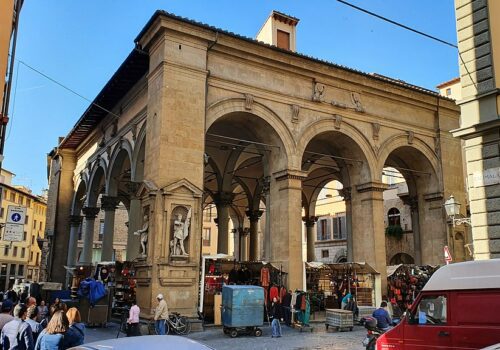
column 196, row 115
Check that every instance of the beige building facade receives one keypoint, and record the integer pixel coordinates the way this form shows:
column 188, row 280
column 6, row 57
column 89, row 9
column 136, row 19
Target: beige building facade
column 198, row 116
column 21, row 260
column 478, row 31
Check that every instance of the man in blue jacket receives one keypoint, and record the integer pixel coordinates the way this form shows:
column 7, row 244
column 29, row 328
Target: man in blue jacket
column 17, row 335
column 384, row 320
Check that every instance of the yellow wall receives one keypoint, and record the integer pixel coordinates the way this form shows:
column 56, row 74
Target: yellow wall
column 6, row 13
column 34, row 228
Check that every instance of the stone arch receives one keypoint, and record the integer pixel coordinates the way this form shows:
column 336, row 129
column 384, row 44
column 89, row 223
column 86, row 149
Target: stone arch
column 79, row 194
column 326, row 125
column 97, row 180
column 401, row 140
column 138, row 152
column 401, row 258
column 117, row 160
column 227, row 106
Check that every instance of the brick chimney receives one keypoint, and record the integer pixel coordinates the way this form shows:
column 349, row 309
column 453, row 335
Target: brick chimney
column 279, row 30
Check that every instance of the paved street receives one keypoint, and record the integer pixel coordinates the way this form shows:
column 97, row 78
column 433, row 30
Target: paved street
column 291, row 339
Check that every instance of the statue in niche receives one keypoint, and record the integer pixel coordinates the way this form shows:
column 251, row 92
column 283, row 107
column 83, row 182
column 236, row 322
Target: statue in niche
column 181, row 232
column 318, row 93
column 143, row 232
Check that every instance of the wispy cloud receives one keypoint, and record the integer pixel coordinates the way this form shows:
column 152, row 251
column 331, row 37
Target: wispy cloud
column 31, row 88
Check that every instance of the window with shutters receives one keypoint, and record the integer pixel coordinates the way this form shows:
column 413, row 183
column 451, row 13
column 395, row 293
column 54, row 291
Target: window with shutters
column 339, row 227
column 23, row 252
column 283, row 39
column 325, row 253
column 394, row 217
column 324, row 229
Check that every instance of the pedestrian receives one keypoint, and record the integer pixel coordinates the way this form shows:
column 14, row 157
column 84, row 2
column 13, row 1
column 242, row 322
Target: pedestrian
column 345, row 299
column 17, row 334
column 52, row 337
column 161, row 315
column 275, row 314
column 43, row 311
column 30, row 301
column 384, row 321
column 31, row 319
column 133, row 329
column 5, row 315
column 76, row 332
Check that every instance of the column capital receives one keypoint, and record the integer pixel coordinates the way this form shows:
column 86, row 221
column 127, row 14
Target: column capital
column 290, row 174
column 372, row 187
column 254, row 215
column 131, row 188
column 75, row 220
column 310, row 221
column 411, row 201
column 346, row 193
column 223, row 199
column 109, row 203
column 90, row 212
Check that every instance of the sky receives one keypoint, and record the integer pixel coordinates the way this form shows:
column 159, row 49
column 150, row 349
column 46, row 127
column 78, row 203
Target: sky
column 81, row 43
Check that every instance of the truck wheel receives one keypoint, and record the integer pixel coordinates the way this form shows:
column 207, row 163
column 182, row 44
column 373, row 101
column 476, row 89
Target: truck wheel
column 233, row 333
column 258, row 332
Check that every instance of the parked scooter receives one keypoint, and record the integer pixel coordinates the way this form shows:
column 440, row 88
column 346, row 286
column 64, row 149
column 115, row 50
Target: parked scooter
column 370, row 323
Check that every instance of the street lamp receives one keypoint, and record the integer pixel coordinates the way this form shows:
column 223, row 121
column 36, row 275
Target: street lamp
column 452, row 208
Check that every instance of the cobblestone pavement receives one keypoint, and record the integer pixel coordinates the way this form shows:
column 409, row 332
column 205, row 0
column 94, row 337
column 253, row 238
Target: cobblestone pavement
column 292, row 339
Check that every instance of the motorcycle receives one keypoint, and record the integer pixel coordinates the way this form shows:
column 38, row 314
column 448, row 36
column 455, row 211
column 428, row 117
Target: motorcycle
column 370, row 341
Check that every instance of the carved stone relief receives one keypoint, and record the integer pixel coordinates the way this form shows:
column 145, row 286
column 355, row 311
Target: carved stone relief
column 411, row 135
column 318, row 92
column 375, row 130
column 295, row 113
column 337, row 121
column 248, row 102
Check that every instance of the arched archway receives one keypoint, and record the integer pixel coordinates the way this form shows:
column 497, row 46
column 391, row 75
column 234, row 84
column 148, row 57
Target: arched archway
column 418, row 167
column 402, row 258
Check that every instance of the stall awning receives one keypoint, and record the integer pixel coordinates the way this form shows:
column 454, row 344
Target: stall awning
column 359, row 267
column 392, row 269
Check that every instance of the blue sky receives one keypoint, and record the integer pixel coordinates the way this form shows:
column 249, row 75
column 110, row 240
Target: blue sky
column 82, row 43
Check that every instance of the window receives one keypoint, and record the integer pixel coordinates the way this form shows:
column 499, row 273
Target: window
column 23, row 252
column 101, row 230
column 31, row 256
column 3, row 270
column 20, row 200
column 28, row 202
column 324, row 226
column 14, row 252
column 30, row 274
column 283, row 39
column 6, row 250
column 26, row 219
column 20, row 271
column 2, row 212
column 33, row 239
column 34, row 224
column 40, row 228
column 37, row 259
column 339, row 227
column 25, row 235
column 325, row 253
column 12, row 197
column 431, row 311
column 12, row 269
column 394, row 217
column 206, row 237
column 448, row 92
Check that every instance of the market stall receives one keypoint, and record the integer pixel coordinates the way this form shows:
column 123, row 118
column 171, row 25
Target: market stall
column 330, row 282
column 404, row 282
column 221, row 269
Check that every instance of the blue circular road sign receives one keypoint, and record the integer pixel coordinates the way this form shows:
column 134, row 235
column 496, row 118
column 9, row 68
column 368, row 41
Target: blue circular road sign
column 16, row 217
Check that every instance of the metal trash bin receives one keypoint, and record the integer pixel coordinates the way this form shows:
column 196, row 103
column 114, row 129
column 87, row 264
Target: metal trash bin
column 242, row 310
column 341, row 319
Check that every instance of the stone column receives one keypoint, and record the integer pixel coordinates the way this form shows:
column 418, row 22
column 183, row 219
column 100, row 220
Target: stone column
column 346, row 194
column 253, row 217
column 75, row 225
column 266, row 182
column 368, row 229
column 243, row 244
column 134, row 221
column 286, row 226
column 222, row 201
column 108, row 204
column 415, row 226
column 311, row 236
column 88, row 237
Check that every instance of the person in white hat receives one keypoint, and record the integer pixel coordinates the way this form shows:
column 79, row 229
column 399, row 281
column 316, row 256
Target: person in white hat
column 161, row 314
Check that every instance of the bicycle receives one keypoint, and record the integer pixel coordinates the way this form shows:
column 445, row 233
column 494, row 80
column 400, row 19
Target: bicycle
column 175, row 323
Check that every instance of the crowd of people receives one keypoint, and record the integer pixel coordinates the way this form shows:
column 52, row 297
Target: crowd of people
column 28, row 324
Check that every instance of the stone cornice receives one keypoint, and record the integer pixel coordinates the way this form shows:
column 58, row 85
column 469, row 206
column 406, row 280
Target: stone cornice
column 436, row 196
column 290, row 174
column 372, row 187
